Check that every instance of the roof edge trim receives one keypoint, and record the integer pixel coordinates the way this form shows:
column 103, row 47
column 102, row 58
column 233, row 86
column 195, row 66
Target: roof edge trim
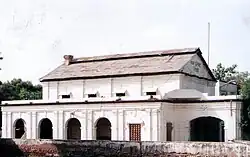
column 125, row 101
column 124, row 75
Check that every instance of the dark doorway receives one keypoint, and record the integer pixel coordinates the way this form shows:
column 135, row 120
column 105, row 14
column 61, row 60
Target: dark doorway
column 103, row 129
column 74, row 129
column 209, row 129
column 19, row 128
column 169, row 131
column 46, row 131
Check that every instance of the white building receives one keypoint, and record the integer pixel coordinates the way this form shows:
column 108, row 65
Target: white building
column 150, row 96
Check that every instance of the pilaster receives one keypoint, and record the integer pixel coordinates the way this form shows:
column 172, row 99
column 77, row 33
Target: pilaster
column 120, row 125
column 226, row 132
column 150, row 125
column 28, row 128
column 61, row 127
column 56, row 125
column 4, row 125
column 114, row 125
column 89, row 125
column 34, row 125
column 155, row 125
column 83, row 125
column 10, row 134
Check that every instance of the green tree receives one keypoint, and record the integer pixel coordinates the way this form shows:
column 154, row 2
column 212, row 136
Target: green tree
column 226, row 74
column 230, row 73
column 223, row 73
column 17, row 89
column 245, row 122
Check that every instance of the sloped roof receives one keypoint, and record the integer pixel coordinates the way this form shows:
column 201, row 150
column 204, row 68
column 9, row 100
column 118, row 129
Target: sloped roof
column 123, row 64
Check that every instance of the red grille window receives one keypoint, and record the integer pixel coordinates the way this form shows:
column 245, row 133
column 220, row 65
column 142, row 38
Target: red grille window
column 135, row 132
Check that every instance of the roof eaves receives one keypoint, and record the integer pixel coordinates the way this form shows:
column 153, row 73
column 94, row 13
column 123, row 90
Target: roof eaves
column 44, row 77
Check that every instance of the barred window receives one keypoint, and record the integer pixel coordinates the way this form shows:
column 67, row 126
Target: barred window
column 135, row 132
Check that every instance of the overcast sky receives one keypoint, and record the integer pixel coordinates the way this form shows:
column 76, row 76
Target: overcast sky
column 35, row 34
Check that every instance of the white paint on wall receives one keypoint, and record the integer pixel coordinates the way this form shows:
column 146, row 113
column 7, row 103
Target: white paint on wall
column 181, row 115
column 152, row 116
column 108, row 87
column 88, row 115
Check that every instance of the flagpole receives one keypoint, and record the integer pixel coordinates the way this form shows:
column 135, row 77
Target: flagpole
column 208, row 44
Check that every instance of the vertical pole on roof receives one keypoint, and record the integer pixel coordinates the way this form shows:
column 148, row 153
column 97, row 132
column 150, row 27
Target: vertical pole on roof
column 208, row 44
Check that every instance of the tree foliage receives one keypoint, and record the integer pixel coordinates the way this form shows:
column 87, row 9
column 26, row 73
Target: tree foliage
column 227, row 74
column 223, row 73
column 230, row 73
column 18, row 89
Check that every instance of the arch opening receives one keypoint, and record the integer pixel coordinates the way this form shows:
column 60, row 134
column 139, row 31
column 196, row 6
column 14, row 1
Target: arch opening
column 207, row 129
column 19, row 128
column 46, row 129
column 103, row 129
column 73, row 129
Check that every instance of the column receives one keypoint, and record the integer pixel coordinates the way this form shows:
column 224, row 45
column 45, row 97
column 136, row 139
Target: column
column 56, row 125
column 114, row 124
column 120, row 125
column 28, row 127
column 83, row 126
column 155, row 125
column 4, row 125
column 61, row 128
column 150, row 125
column 9, row 125
column 34, row 128
column 89, row 125
column 226, row 132
column 158, row 124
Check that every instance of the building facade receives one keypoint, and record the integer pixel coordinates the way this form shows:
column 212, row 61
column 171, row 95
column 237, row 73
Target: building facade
column 150, row 96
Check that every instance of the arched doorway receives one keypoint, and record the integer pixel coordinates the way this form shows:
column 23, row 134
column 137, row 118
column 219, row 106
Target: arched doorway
column 209, row 129
column 73, row 129
column 46, row 129
column 19, row 128
column 103, row 129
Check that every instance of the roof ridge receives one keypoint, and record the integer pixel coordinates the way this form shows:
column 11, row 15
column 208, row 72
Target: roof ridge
column 134, row 55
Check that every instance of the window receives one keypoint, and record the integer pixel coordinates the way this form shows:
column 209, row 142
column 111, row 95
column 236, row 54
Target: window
column 92, row 95
column 135, row 132
column 169, row 131
column 65, row 96
column 150, row 93
column 120, row 94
